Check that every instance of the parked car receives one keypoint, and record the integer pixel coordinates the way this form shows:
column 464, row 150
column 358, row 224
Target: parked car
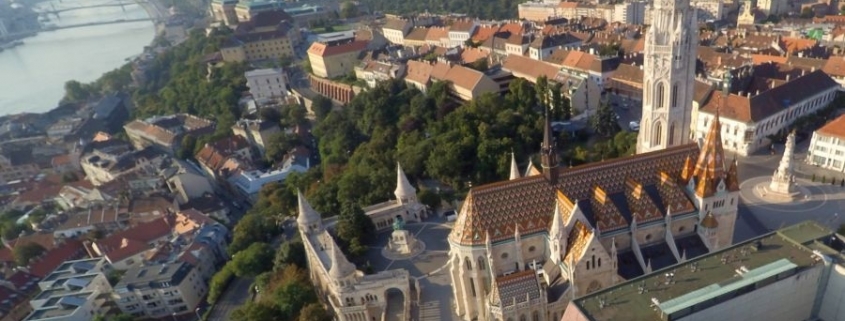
column 634, row 125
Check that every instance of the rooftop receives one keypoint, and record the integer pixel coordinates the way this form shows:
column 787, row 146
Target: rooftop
column 709, row 276
column 154, row 276
column 835, row 128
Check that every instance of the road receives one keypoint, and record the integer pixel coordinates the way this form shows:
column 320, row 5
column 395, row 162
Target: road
column 236, row 295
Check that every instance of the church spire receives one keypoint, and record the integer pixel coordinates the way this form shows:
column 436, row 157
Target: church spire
column 710, row 167
column 549, row 152
column 514, row 168
column 341, row 267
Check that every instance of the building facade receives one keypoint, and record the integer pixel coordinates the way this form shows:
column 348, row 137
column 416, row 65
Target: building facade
column 160, row 290
column 795, row 273
column 748, row 119
column 348, row 293
column 522, row 249
column 76, row 291
column 330, row 60
column 669, row 71
column 267, row 84
column 827, row 149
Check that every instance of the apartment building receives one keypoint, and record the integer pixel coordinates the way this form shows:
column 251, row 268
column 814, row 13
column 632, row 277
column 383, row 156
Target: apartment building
column 165, row 133
column 224, row 11
column 460, row 31
column 748, row 119
column 267, row 36
column 256, row 132
column 160, row 290
column 827, row 148
column 335, row 59
column 77, row 290
column 395, row 30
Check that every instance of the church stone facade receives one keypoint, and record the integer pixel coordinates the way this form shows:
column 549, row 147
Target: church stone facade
column 668, row 78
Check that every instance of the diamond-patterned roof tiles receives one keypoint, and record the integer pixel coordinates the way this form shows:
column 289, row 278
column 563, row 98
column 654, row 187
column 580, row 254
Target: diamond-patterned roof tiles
column 608, row 217
column 641, row 206
column 672, row 196
column 529, row 201
column 516, row 288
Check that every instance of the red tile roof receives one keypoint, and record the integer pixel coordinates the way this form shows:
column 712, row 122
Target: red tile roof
column 134, row 240
column 834, row 128
column 43, row 265
column 324, row 50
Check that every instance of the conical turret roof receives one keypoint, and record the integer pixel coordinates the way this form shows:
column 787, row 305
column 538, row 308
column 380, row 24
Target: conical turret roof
column 514, row 168
column 710, row 167
column 340, row 265
column 404, row 190
column 307, row 215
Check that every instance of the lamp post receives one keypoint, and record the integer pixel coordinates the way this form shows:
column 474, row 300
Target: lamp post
column 197, row 311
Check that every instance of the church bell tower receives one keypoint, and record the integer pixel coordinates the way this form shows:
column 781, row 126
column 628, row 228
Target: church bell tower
column 669, row 79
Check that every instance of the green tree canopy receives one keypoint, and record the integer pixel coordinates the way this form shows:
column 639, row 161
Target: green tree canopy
column 254, row 260
column 314, row 312
column 25, row 252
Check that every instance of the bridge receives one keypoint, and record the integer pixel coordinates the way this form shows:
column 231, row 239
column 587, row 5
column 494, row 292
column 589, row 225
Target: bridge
column 54, row 11
column 96, row 23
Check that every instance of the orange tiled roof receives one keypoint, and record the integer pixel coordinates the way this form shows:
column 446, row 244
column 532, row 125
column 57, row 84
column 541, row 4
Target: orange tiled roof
column 835, row 128
column 483, row 32
column 529, row 67
column 419, row 71
column 324, row 50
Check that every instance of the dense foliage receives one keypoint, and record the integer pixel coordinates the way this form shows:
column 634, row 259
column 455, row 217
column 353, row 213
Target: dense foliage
column 25, row 252
column 484, row 9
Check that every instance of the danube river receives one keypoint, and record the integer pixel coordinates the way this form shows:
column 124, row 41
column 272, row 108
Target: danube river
column 32, row 76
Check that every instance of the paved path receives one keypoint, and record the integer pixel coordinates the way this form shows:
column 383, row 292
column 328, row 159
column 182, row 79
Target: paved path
column 236, row 295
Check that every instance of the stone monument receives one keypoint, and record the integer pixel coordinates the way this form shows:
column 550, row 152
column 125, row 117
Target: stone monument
column 783, row 180
column 402, row 243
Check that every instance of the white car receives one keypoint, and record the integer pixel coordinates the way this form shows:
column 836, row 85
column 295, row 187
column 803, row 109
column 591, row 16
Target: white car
column 634, row 126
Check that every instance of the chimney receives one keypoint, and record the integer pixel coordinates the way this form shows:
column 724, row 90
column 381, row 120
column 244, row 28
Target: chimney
column 787, row 78
column 758, row 92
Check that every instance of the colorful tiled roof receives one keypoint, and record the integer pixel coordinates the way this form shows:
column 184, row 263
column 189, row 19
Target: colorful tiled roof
column 576, row 243
column 516, row 288
column 529, row 201
column 641, row 205
column 607, row 215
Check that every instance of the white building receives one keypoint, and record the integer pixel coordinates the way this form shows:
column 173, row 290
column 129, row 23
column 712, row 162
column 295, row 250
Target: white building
column 630, row 12
column 395, row 30
column 772, row 7
column 249, row 183
column 460, row 31
column 668, row 79
column 748, row 119
column 267, row 84
column 160, row 291
column 827, row 149
column 76, row 290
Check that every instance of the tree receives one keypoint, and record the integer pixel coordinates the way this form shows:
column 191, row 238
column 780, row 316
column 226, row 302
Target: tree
column 270, row 114
column 25, row 252
column 480, row 65
column 186, row 149
column 807, row 13
column 119, row 317
column 348, row 10
column 603, row 121
column 76, row 92
column 354, row 225
column 321, row 106
column 290, row 298
column 250, row 229
column 254, row 260
column 314, row 312
column 280, row 144
column 69, row 177
column 430, row 198
column 219, row 282
column 257, row 311
column 291, row 252
column 543, row 91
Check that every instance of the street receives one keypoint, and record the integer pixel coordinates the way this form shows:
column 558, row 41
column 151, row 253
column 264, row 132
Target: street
column 236, row 295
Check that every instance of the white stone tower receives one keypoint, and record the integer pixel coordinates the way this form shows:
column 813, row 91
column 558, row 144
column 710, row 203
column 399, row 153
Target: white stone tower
column 405, row 193
column 783, row 180
column 669, row 65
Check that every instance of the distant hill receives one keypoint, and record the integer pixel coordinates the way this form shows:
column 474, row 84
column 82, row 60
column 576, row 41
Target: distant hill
column 484, row 9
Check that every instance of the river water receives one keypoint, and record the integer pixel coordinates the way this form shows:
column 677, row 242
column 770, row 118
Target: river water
column 32, row 76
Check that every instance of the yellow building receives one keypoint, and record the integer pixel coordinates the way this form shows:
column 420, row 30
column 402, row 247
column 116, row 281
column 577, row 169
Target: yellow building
column 224, row 11
column 269, row 35
column 331, row 60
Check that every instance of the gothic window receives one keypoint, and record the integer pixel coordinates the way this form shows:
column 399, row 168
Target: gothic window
column 599, row 262
column 675, row 95
column 672, row 134
column 523, row 318
column 468, row 264
column 480, row 264
column 593, row 260
column 535, row 316
column 647, row 93
column 657, row 134
column 660, row 95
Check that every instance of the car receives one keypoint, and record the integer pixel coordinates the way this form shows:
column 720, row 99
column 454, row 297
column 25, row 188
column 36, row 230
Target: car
column 634, row 125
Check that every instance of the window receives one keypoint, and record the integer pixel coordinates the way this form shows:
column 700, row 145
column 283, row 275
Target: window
column 675, row 95
column 658, row 134
column 504, row 255
column 531, row 249
column 468, row 264
column 672, row 134
column 659, row 92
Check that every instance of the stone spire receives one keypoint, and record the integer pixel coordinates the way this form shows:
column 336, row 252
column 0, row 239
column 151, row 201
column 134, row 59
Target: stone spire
column 710, row 167
column 404, row 191
column 307, row 215
column 783, row 180
column 549, row 152
column 341, row 267
column 530, row 170
column 514, row 168
column 558, row 229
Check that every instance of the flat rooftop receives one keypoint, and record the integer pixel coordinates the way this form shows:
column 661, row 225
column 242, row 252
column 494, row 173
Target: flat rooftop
column 767, row 255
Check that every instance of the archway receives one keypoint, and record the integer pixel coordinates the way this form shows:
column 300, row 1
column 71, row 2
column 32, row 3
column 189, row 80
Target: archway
column 395, row 310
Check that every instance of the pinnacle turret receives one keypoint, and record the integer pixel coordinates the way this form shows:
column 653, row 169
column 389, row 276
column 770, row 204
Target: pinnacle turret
column 514, row 168
column 404, row 191
column 307, row 215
